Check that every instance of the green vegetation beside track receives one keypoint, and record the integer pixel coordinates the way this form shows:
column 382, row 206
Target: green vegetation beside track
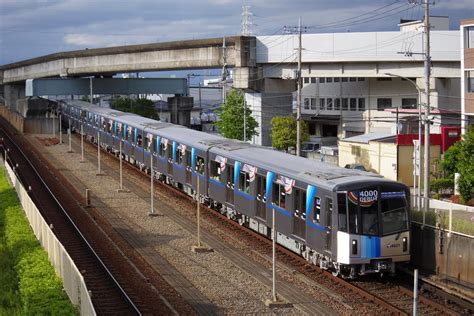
column 28, row 282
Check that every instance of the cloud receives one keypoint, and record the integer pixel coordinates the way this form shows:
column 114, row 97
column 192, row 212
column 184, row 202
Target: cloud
column 31, row 28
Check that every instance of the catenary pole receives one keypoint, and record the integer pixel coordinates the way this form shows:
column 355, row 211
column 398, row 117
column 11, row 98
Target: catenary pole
column 298, row 101
column 427, row 65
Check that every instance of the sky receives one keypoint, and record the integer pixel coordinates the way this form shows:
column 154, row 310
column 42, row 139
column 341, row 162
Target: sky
column 32, row 28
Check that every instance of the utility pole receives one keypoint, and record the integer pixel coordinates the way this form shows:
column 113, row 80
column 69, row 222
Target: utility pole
column 245, row 119
column 427, row 65
column 298, row 100
column 225, row 72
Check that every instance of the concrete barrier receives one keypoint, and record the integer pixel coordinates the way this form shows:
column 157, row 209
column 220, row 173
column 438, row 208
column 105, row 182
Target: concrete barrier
column 73, row 281
column 15, row 119
column 449, row 256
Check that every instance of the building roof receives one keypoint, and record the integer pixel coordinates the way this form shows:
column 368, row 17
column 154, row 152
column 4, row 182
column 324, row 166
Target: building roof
column 366, row 138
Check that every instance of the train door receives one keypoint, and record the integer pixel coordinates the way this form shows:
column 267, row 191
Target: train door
column 328, row 224
column 299, row 213
column 189, row 169
column 170, row 159
column 261, row 198
column 230, row 185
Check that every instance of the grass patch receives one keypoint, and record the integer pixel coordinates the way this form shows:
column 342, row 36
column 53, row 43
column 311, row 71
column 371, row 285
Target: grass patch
column 28, row 283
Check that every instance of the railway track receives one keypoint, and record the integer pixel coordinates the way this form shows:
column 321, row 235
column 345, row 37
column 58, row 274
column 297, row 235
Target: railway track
column 378, row 294
column 372, row 297
column 116, row 286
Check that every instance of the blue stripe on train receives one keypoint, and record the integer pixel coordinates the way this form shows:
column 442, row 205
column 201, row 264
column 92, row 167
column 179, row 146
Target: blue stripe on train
column 370, row 247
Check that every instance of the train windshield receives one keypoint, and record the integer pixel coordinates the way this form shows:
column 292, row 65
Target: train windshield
column 394, row 212
column 372, row 211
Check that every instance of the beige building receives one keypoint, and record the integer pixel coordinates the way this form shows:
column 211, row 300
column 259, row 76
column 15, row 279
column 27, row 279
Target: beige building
column 385, row 154
column 467, row 72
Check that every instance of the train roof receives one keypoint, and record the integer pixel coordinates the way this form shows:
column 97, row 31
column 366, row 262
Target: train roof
column 298, row 168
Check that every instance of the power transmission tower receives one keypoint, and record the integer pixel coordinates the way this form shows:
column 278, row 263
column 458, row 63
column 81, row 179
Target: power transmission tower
column 246, row 21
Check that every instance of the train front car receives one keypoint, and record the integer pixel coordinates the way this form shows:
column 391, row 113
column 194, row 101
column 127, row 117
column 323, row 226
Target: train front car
column 373, row 228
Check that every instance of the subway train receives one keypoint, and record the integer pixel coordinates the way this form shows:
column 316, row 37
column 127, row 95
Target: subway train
column 347, row 221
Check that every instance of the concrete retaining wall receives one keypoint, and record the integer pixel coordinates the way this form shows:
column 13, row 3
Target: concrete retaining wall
column 73, row 282
column 15, row 119
column 449, row 256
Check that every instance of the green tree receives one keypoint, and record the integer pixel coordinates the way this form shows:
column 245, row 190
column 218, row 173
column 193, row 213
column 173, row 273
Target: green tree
column 284, row 132
column 231, row 117
column 460, row 158
column 141, row 106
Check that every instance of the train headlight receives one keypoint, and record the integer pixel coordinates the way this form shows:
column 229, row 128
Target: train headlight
column 354, row 246
column 405, row 244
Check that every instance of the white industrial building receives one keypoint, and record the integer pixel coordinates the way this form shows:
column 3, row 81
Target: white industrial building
column 355, row 83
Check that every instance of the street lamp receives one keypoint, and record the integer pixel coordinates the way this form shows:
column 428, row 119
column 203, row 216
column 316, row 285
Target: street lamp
column 419, row 134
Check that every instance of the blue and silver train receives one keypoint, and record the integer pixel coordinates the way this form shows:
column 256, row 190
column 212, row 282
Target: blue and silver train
column 348, row 221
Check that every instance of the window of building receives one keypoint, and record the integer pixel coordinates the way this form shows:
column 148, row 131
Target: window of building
column 470, row 79
column 317, row 210
column 312, row 128
column 469, row 37
column 322, row 103
column 329, row 104
column 345, row 104
column 344, row 79
column 355, row 150
column 337, row 79
column 306, row 103
column 328, row 79
column 215, row 170
column 306, row 79
column 278, row 195
column 409, row 103
column 361, row 104
column 352, row 79
column 337, row 104
column 353, row 104
column 313, row 79
column 322, row 80
column 360, row 79
column 313, row 103
column 384, row 103
column 200, row 165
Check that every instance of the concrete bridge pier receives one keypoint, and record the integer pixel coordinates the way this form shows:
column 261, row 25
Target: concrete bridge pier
column 180, row 110
column 12, row 93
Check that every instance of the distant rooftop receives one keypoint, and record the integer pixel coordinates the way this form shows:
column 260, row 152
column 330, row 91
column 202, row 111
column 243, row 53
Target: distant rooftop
column 366, row 138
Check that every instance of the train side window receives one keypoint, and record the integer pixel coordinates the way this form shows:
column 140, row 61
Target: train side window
column 110, row 124
column 317, row 210
column 279, row 195
column 179, row 156
column 215, row 170
column 188, row 158
column 244, row 182
column 103, row 124
column 353, row 217
column 342, row 212
column 200, row 165
column 148, row 142
column 139, row 140
column 162, row 149
column 300, row 204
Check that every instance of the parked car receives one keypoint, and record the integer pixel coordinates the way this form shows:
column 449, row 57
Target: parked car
column 357, row 166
